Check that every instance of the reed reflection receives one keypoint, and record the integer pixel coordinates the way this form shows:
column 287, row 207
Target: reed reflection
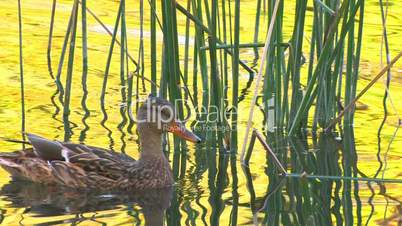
column 302, row 200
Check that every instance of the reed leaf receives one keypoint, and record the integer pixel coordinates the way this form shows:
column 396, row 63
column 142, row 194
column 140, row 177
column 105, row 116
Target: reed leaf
column 69, row 76
column 21, row 64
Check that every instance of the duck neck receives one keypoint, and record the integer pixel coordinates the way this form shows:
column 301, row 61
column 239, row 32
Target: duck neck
column 151, row 144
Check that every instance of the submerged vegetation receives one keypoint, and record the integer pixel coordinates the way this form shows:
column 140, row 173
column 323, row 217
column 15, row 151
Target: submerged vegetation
column 191, row 52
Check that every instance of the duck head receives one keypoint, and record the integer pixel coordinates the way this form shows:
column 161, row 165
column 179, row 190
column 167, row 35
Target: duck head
column 157, row 116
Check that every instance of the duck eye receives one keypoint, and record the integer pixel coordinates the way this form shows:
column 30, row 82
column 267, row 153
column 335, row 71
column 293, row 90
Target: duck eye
column 167, row 113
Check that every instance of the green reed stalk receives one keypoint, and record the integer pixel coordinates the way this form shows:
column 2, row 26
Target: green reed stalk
column 286, row 80
column 323, row 59
column 325, row 100
column 129, row 84
column 49, row 44
column 351, row 68
column 225, row 54
column 250, row 149
column 123, row 74
column 335, row 87
column 84, row 43
column 186, row 50
column 257, row 28
column 128, row 81
column 69, row 76
column 335, row 77
column 325, row 103
column 270, row 80
column 220, row 61
column 356, row 58
column 278, row 62
column 230, row 22
column 163, row 84
column 296, row 44
column 105, row 78
column 216, row 91
column 195, row 77
column 84, row 69
column 59, row 85
column 153, row 47
column 21, row 73
column 109, row 58
column 207, row 13
column 224, row 87
column 318, row 27
column 235, row 75
column 153, row 12
column 199, row 37
column 123, row 44
column 141, row 49
column 137, row 71
column 349, row 74
column 172, row 60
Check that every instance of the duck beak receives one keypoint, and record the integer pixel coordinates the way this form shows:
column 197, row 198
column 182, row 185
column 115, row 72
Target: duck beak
column 180, row 130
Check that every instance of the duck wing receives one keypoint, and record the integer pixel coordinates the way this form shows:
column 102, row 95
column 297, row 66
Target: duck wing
column 72, row 165
column 55, row 150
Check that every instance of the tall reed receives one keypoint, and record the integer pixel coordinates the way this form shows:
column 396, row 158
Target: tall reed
column 84, row 69
column 293, row 99
column 21, row 64
column 70, row 65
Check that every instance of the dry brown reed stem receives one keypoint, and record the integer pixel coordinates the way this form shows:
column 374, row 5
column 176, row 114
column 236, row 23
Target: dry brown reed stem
column 259, row 77
column 372, row 82
column 261, row 138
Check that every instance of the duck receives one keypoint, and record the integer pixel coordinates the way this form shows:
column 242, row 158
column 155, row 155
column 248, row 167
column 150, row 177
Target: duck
column 81, row 166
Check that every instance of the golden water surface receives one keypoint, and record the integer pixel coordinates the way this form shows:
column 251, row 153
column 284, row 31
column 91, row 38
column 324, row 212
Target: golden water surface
column 200, row 198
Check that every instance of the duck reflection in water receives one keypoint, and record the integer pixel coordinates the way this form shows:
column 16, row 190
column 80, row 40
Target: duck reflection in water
column 43, row 201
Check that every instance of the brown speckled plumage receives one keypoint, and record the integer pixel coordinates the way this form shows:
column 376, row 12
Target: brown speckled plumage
column 90, row 167
column 87, row 167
